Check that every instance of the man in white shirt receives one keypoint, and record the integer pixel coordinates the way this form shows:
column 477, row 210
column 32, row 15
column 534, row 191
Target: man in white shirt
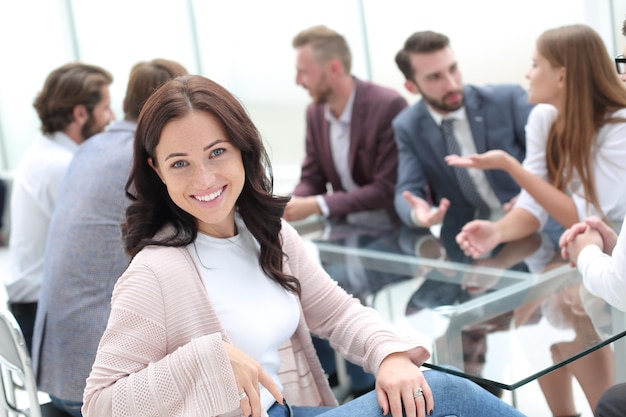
column 73, row 105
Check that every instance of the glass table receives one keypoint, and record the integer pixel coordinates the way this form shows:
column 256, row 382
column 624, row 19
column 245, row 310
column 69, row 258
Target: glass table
column 503, row 320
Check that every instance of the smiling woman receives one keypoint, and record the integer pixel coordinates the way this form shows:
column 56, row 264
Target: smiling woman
column 202, row 170
column 215, row 311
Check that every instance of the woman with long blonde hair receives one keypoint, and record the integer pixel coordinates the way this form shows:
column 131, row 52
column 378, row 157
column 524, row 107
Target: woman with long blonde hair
column 575, row 162
column 575, row 167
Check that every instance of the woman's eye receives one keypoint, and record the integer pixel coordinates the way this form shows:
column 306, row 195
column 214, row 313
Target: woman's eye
column 178, row 164
column 218, row 151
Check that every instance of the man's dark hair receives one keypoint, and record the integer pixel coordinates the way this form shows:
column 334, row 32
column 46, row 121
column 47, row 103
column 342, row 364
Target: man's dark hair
column 419, row 43
column 66, row 87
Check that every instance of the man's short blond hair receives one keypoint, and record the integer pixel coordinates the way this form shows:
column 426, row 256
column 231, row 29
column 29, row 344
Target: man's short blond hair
column 326, row 43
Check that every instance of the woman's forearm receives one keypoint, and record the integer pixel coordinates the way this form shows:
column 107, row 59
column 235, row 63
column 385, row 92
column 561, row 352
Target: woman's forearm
column 516, row 224
column 558, row 204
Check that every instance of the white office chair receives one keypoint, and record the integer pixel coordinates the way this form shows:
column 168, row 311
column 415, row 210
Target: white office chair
column 18, row 394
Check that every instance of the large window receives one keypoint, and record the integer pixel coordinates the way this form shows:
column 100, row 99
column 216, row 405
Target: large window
column 246, row 46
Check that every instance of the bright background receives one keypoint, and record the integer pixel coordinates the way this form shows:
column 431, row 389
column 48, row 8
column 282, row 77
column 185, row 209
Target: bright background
column 245, row 45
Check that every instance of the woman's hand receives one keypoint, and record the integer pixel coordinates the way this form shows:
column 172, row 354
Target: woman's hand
column 249, row 374
column 592, row 231
column 582, row 240
column 397, row 381
column 494, row 159
column 609, row 236
column 568, row 236
column 478, row 237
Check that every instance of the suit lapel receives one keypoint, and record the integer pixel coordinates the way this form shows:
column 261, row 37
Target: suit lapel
column 432, row 132
column 357, row 122
column 326, row 152
column 476, row 119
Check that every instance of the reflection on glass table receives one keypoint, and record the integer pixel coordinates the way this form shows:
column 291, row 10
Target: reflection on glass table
column 503, row 320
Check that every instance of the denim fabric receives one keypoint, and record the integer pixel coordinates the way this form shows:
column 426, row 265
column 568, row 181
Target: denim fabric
column 278, row 410
column 70, row 407
column 454, row 397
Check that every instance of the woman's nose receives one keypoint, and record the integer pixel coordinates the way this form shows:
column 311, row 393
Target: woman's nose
column 204, row 176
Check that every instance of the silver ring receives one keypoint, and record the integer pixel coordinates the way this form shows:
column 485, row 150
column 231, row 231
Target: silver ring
column 418, row 393
column 243, row 396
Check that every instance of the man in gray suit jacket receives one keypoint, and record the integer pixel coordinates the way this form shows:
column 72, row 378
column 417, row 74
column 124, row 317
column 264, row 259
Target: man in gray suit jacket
column 482, row 118
column 84, row 254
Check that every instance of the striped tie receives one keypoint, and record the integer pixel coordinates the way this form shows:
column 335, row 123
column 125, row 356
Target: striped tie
column 467, row 185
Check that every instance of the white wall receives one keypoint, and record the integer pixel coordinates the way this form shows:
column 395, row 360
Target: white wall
column 246, row 46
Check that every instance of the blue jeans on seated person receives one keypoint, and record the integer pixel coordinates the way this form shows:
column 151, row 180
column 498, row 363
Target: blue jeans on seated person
column 70, row 407
column 454, row 396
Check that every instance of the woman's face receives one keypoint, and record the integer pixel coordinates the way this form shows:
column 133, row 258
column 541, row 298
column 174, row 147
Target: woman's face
column 546, row 83
column 202, row 170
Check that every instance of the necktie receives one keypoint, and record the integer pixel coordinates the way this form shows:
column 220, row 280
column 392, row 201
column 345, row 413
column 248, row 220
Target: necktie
column 468, row 187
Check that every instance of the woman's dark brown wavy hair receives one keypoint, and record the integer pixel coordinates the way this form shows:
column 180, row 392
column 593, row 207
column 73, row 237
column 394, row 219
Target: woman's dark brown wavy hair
column 151, row 209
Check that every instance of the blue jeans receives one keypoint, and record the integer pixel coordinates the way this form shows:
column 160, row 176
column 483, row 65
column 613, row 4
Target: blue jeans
column 454, row 397
column 70, row 407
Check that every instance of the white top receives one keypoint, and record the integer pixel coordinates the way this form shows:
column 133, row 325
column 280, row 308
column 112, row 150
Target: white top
column 236, row 286
column 603, row 275
column 463, row 134
column 608, row 162
column 339, row 133
column 33, row 197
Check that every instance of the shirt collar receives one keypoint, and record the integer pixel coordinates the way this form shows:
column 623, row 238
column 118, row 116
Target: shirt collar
column 455, row 115
column 64, row 140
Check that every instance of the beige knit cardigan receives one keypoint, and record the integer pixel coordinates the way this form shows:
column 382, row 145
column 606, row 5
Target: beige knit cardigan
column 162, row 353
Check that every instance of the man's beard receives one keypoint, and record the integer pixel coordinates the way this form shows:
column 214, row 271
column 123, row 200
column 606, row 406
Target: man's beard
column 90, row 128
column 323, row 92
column 322, row 96
column 441, row 104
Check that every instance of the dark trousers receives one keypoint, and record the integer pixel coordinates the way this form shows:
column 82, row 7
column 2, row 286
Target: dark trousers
column 612, row 403
column 25, row 314
column 360, row 381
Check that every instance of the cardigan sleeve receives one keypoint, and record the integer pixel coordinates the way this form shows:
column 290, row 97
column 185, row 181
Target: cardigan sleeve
column 138, row 372
column 357, row 332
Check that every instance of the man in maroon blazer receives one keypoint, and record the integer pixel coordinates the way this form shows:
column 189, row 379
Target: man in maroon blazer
column 351, row 155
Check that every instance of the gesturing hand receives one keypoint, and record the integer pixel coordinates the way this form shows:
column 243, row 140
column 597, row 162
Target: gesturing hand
column 493, row 159
column 425, row 215
column 249, row 374
column 478, row 237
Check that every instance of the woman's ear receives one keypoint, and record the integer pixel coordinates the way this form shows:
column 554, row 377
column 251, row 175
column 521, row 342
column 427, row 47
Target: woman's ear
column 562, row 77
column 155, row 168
